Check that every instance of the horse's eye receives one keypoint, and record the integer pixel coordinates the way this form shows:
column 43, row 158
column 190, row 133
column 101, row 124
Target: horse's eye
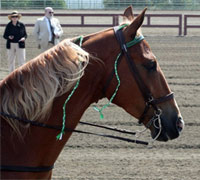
column 151, row 66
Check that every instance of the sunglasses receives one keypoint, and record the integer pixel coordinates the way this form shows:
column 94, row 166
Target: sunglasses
column 51, row 12
column 14, row 17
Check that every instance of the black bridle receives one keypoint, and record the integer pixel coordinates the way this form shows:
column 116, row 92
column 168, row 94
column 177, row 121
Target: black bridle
column 150, row 102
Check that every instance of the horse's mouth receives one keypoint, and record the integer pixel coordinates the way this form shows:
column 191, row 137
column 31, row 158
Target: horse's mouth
column 165, row 133
column 162, row 137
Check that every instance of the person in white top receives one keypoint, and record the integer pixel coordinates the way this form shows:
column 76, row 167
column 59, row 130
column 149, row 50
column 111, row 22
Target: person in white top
column 47, row 30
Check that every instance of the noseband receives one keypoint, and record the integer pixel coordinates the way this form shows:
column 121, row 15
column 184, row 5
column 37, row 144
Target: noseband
column 150, row 101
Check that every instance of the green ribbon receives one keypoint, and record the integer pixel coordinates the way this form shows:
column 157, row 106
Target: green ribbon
column 114, row 94
column 136, row 40
column 80, row 39
column 59, row 136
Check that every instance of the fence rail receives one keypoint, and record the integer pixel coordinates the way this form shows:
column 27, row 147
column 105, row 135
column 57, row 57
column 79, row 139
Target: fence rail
column 186, row 26
column 178, row 25
column 115, row 20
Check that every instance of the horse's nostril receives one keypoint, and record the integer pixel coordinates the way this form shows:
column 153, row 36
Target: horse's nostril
column 180, row 124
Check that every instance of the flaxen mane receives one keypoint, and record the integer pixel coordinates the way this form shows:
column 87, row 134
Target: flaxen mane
column 30, row 90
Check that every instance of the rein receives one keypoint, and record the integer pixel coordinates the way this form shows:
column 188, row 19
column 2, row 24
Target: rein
column 59, row 128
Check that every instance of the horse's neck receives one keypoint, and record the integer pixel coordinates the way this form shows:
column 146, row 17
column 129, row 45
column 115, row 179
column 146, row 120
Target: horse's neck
column 29, row 152
column 41, row 142
column 88, row 91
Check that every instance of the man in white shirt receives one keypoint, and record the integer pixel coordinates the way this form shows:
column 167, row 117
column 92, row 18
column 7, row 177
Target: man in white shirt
column 47, row 30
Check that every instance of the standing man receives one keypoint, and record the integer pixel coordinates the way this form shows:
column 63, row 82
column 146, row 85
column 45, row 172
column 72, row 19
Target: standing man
column 47, row 30
column 15, row 34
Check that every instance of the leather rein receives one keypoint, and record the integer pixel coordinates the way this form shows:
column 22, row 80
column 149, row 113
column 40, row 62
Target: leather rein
column 43, row 125
column 150, row 102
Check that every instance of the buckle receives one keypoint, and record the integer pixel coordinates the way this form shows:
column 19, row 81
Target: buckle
column 150, row 100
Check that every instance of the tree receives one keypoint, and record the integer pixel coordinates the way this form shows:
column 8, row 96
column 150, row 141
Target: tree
column 154, row 4
column 7, row 4
column 30, row 4
column 57, row 4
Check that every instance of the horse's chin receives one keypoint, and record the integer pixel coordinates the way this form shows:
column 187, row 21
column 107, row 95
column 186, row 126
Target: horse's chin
column 162, row 137
column 167, row 130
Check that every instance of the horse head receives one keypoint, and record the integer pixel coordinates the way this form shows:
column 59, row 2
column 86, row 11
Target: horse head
column 143, row 92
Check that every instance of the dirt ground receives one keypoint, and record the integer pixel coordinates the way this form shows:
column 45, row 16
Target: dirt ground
column 87, row 157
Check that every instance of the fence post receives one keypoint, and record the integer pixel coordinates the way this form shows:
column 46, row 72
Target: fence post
column 185, row 25
column 82, row 19
column 180, row 24
column 115, row 20
column 148, row 20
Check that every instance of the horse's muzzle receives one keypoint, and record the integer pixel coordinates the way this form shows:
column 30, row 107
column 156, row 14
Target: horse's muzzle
column 169, row 131
column 180, row 124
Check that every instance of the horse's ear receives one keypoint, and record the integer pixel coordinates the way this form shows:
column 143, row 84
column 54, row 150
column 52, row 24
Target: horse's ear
column 131, row 30
column 128, row 14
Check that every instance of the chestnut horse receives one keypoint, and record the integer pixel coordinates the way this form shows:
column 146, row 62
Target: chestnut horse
column 121, row 68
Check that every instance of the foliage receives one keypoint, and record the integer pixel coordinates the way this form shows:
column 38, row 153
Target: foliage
column 32, row 4
column 107, row 4
column 154, row 4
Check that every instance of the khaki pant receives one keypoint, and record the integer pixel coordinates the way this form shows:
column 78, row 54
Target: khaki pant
column 15, row 53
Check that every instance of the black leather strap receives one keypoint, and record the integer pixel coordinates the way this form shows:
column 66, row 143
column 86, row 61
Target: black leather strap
column 26, row 168
column 120, row 37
